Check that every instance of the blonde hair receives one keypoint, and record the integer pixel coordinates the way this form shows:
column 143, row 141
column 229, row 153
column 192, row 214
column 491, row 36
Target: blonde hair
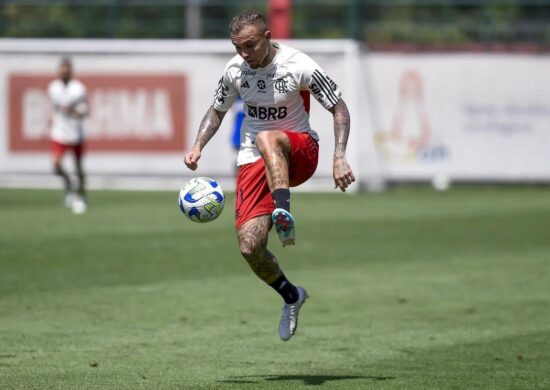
column 248, row 18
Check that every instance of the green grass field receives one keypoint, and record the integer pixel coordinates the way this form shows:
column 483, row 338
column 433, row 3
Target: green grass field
column 410, row 289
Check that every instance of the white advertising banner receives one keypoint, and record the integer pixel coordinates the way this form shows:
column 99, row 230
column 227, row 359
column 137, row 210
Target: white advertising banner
column 147, row 99
column 470, row 117
column 415, row 116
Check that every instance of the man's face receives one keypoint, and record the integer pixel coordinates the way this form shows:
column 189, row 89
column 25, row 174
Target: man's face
column 252, row 45
column 65, row 72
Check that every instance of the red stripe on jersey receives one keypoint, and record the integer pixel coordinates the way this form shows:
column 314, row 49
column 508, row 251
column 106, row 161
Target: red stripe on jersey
column 305, row 97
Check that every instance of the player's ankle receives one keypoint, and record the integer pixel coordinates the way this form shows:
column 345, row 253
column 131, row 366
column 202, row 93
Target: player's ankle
column 287, row 290
column 281, row 197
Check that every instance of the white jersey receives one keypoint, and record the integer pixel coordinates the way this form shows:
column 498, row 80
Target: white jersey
column 67, row 129
column 272, row 95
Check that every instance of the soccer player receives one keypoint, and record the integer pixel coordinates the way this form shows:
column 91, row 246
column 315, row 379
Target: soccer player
column 69, row 106
column 278, row 148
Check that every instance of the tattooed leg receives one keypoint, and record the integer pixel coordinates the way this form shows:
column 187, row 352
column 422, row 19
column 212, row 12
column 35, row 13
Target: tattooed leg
column 274, row 146
column 253, row 237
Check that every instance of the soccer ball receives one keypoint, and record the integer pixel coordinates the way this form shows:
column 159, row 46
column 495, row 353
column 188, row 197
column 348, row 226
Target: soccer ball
column 201, row 199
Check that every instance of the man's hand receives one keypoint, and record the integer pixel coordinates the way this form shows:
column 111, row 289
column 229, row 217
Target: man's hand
column 76, row 110
column 66, row 110
column 342, row 173
column 209, row 125
column 192, row 157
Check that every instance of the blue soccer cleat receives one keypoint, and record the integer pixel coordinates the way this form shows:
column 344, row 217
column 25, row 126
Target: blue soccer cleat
column 284, row 225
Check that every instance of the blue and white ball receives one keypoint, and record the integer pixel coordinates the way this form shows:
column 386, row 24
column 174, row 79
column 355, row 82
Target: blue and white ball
column 201, row 199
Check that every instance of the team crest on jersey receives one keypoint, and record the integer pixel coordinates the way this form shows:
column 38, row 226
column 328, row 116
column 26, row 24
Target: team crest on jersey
column 281, row 85
column 261, row 84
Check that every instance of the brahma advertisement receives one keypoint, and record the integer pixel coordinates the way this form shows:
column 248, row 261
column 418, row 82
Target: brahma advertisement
column 139, row 112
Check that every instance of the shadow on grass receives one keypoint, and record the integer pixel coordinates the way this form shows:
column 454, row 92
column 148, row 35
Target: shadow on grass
column 314, row 380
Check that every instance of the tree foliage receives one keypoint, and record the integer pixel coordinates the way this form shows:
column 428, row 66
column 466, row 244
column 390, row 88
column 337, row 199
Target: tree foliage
column 393, row 21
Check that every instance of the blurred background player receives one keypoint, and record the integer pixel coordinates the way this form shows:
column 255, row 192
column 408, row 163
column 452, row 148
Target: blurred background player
column 69, row 107
column 278, row 148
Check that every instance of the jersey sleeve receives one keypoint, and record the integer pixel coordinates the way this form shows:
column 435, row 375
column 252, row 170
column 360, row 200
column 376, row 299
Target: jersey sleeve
column 226, row 93
column 320, row 85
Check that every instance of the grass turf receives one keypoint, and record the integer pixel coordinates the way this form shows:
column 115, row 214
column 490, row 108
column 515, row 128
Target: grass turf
column 409, row 289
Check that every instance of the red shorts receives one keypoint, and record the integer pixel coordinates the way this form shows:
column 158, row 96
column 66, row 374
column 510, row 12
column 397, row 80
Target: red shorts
column 252, row 195
column 59, row 149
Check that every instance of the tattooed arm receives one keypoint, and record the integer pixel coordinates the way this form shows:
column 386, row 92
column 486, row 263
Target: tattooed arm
column 342, row 173
column 209, row 125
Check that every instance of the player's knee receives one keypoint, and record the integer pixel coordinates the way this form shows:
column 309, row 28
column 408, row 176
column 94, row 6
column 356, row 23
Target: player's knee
column 262, row 141
column 267, row 139
column 272, row 140
column 249, row 248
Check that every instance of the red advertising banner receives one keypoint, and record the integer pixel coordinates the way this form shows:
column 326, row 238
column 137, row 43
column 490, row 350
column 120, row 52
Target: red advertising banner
column 128, row 113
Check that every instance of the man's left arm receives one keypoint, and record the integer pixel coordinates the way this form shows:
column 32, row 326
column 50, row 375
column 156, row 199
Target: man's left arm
column 341, row 171
column 80, row 108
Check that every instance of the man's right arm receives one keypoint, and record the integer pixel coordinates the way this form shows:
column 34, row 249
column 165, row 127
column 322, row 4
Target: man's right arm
column 209, row 126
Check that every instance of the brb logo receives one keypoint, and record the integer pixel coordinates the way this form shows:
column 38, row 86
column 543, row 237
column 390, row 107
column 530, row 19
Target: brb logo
column 267, row 113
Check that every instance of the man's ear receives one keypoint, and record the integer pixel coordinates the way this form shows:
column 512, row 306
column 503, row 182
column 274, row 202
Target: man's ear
column 267, row 35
